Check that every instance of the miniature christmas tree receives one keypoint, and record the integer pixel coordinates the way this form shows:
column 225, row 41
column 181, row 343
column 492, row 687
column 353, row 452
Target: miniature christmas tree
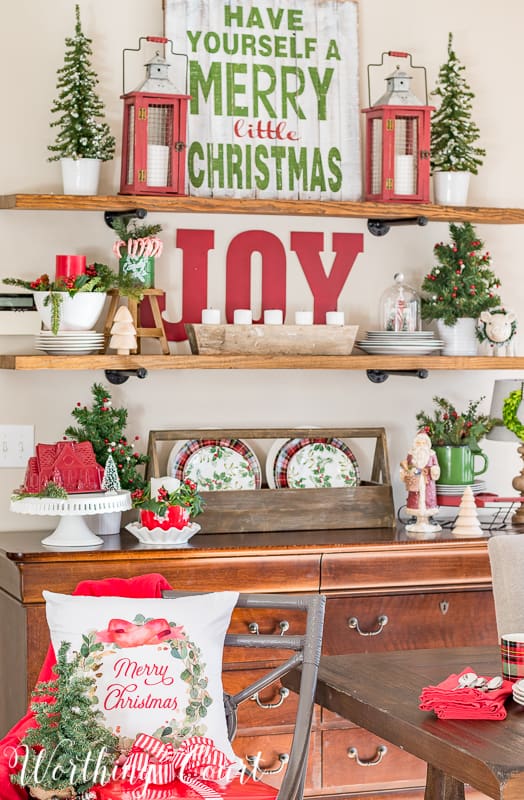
column 104, row 426
column 123, row 332
column 462, row 284
column 69, row 747
column 111, row 481
column 453, row 132
column 467, row 522
column 82, row 134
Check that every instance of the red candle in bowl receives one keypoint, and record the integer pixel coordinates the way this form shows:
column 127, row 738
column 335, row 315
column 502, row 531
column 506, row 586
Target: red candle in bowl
column 70, row 266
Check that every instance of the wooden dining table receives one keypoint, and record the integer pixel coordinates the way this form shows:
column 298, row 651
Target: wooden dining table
column 380, row 692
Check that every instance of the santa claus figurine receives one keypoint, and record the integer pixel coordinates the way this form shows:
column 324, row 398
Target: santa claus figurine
column 420, row 471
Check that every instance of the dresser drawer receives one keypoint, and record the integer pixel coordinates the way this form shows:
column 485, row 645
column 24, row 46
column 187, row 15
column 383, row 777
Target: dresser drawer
column 409, row 621
column 382, row 765
column 280, row 705
column 270, row 752
column 264, row 621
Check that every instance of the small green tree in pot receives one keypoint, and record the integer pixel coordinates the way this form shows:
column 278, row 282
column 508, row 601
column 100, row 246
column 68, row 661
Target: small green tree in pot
column 454, row 155
column 458, row 288
column 69, row 749
column 84, row 138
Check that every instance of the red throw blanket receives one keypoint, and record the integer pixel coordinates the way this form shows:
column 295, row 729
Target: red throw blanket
column 150, row 585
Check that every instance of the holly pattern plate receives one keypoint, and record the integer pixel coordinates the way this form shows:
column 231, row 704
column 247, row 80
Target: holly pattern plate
column 216, row 464
column 314, row 463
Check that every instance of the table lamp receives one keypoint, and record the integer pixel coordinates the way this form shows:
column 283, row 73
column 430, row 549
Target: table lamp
column 500, row 433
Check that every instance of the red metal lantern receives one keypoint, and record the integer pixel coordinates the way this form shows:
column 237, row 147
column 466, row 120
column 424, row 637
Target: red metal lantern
column 398, row 129
column 154, row 130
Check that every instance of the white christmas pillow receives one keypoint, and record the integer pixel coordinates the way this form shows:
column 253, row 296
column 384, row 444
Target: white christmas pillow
column 157, row 663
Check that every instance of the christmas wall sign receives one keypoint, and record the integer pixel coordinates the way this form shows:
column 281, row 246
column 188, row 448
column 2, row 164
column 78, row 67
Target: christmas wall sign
column 274, row 110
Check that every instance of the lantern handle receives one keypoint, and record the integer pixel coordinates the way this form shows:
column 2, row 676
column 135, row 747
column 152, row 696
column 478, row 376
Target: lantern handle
column 161, row 40
column 398, row 54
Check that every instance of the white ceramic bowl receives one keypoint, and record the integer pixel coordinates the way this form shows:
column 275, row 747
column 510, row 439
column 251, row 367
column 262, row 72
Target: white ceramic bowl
column 160, row 538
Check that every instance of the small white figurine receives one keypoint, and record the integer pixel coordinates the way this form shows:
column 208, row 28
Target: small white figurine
column 496, row 330
column 467, row 522
column 420, row 471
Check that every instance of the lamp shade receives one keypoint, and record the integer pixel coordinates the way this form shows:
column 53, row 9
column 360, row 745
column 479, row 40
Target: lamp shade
column 501, row 390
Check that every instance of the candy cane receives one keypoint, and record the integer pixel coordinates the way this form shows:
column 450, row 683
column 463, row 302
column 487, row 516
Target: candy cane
column 116, row 247
column 140, row 245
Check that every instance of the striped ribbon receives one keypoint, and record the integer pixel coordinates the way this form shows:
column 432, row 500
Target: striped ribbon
column 196, row 759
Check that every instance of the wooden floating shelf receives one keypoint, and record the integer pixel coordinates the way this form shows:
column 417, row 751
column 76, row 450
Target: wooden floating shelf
column 237, row 205
column 248, row 361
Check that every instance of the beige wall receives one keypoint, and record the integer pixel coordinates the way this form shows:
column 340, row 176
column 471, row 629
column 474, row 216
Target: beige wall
column 32, row 44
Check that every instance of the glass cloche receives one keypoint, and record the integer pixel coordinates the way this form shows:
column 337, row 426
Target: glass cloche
column 400, row 307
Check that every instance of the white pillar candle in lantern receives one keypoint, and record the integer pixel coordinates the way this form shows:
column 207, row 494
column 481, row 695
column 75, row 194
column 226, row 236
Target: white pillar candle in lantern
column 404, row 175
column 157, row 164
column 170, row 485
column 211, row 316
column 242, row 316
column 303, row 318
column 334, row 317
column 273, row 316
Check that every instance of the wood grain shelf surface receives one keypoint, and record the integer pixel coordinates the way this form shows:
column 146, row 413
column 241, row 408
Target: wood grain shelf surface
column 232, row 205
column 248, row 361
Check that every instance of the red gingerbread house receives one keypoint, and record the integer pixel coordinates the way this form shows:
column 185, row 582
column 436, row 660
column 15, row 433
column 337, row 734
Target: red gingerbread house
column 71, row 465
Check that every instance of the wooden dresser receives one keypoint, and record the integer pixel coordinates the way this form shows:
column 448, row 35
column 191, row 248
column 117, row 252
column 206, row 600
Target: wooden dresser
column 384, row 592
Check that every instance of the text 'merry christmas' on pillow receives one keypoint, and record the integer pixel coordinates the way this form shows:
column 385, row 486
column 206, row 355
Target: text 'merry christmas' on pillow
column 157, row 663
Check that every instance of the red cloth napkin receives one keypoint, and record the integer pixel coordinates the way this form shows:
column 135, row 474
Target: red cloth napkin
column 450, row 702
column 150, row 585
column 237, row 789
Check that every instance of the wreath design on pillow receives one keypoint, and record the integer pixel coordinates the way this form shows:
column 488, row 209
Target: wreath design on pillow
column 158, row 632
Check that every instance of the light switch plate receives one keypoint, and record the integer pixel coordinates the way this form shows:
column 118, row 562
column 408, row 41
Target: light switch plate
column 17, row 445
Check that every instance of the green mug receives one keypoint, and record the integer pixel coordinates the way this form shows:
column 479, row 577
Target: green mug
column 457, row 465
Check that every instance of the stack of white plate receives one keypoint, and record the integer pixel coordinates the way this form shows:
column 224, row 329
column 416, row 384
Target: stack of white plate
column 518, row 692
column 405, row 343
column 69, row 342
column 457, row 490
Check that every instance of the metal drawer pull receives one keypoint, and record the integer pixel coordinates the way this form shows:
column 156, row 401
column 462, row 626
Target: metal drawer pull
column 254, row 761
column 283, row 692
column 382, row 622
column 372, row 762
column 283, row 626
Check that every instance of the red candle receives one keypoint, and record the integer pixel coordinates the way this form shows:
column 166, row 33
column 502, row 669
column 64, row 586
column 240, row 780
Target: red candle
column 70, row 266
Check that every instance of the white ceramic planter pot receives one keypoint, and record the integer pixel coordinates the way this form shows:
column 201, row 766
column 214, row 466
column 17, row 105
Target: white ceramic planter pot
column 105, row 524
column 80, row 175
column 451, row 188
column 459, row 339
column 77, row 313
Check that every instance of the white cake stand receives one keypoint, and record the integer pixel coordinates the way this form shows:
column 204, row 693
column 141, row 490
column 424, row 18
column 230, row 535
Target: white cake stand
column 73, row 530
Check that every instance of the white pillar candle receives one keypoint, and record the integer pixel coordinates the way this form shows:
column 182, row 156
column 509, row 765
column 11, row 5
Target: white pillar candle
column 170, row 484
column 157, row 164
column 334, row 317
column 211, row 316
column 404, row 175
column 242, row 316
column 303, row 318
column 273, row 316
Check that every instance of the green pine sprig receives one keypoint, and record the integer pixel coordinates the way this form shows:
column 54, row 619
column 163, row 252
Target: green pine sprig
column 447, row 426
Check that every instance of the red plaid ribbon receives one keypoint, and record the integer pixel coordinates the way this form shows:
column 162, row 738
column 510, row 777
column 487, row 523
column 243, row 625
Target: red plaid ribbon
column 157, row 763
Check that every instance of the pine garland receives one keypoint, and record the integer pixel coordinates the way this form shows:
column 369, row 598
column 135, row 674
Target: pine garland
column 82, row 133
column 462, row 283
column 453, row 132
